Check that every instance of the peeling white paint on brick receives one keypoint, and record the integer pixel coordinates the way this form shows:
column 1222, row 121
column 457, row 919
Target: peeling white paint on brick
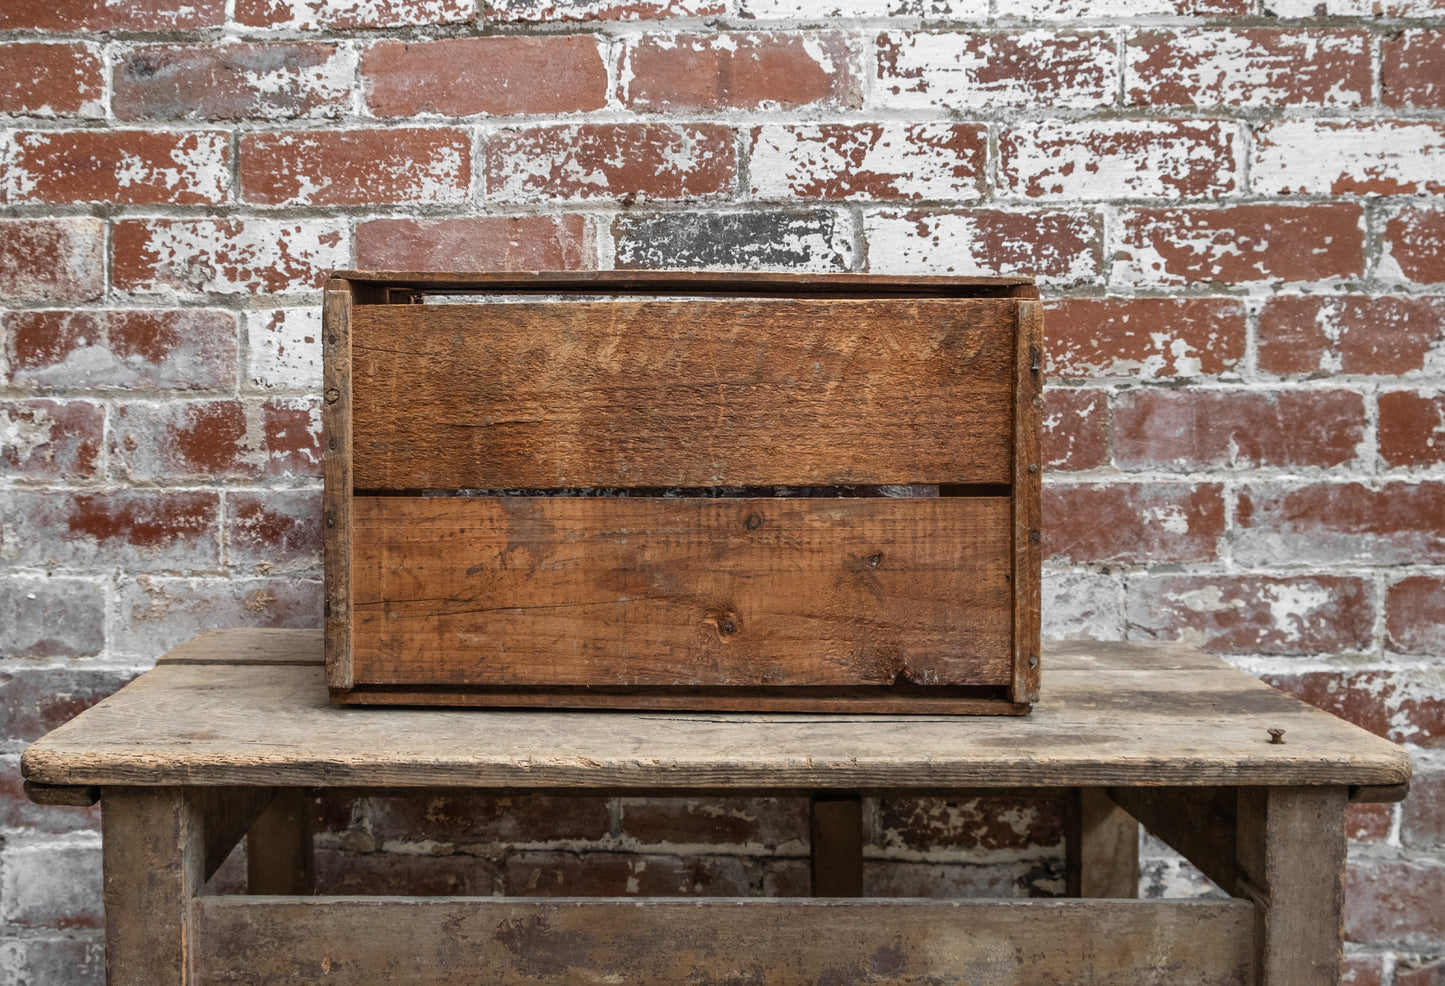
column 1081, row 606
column 959, row 243
column 1111, row 159
column 253, row 256
column 921, row 70
column 23, row 433
column 1236, row 69
column 1334, row 157
column 907, row 161
column 812, row 10
column 327, row 85
column 284, row 349
column 309, row 15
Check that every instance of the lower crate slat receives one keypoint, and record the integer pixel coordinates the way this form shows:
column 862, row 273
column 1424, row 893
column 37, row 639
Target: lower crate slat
column 444, row 941
column 488, row 592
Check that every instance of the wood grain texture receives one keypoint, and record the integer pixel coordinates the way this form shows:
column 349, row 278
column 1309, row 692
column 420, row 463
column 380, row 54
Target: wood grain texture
column 680, row 592
column 248, row 645
column 722, row 392
column 338, row 479
column 1027, row 469
column 280, row 854
column 732, row 283
column 1199, row 823
column 444, row 942
column 69, row 797
column 274, row 726
column 835, row 845
column 1101, row 848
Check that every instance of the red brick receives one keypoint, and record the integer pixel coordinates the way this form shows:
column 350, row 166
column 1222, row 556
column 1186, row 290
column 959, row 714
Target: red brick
column 274, row 531
column 110, row 15
column 1415, row 615
column 1133, row 522
column 1076, row 428
column 345, row 15
column 1368, row 822
column 52, row 259
column 1422, row 972
column 19, row 814
column 218, row 439
column 711, row 72
column 1119, row 159
column 1188, row 430
column 51, row 439
column 1412, row 428
column 1395, row 901
column 1422, row 815
column 1415, row 245
column 464, row 818
column 987, row 823
column 1353, row 334
column 597, row 874
column 631, row 162
column 750, row 822
column 1412, row 69
column 1398, row 523
column 976, row 69
column 552, row 242
column 796, row 239
column 787, row 878
column 1058, row 247
column 356, row 167
column 1240, row 244
column 51, row 617
column 1151, row 338
column 549, row 11
column 33, row 702
column 158, row 613
column 403, row 874
column 1253, row 67
column 868, row 161
column 1362, row 970
column 143, row 529
column 51, row 80
column 124, row 167
column 1064, row 10
column 233, row 82
column 226, row 256
column 499, row 76
column 1255, row 614
column 1403, row 706
column 1349, row 157
column 142, row 349
column 1005, row 880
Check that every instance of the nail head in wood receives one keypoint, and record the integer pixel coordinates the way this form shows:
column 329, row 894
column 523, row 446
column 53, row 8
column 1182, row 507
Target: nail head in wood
column 333, row 395
column 1276, row 736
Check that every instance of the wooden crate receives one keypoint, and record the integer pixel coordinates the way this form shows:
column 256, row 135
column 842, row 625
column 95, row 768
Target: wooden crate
column 470, row 559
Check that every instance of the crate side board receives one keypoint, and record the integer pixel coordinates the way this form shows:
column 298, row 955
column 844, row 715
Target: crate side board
column 1026, row 496
column 336, row 477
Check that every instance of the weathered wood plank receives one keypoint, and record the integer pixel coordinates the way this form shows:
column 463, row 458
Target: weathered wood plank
column 835, row 845
column 1101, row 848
column 337, row 476
column 226, row 814
column 1028, row 402
column 248, row 645
column 153, row 855
column 275, row 726
column 280, row 853
column 444, row 942
column 69, row 797
column 671, row 592
column 733, row 283
column 1199, row 823
column 681, row 394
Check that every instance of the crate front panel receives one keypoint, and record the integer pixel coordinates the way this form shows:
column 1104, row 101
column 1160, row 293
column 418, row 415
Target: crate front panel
column 557, row 591
column 686, row 393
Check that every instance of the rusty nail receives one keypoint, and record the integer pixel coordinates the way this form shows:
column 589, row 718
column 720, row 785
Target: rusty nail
column 1276, row 736
column 330, row 521
column 1033, row 468
column 1035, row 537
column 328, row 607
column 331, row 338
column 873, row 561
column 753, row 522
column 333, row 395
column 1033, row 660
column 726, row 626
column 331, row 445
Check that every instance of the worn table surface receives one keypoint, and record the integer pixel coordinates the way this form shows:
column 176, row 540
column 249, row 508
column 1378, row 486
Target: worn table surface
column 250, row 707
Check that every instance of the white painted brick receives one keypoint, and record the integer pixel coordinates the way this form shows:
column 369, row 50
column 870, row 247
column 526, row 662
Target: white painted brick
column 51, row 885
column 862, row 161
column 1081, row 606
column 1113, row 159
column 284, row 349
column 1344, row 157
column 921, row 70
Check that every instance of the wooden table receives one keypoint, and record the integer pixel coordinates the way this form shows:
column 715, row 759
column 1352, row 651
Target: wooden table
column 230, row 731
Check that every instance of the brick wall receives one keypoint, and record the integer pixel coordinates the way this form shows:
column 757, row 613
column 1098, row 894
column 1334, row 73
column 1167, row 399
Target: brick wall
column 1235, row 209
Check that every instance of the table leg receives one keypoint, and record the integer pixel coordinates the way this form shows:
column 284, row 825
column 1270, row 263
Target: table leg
column 836, row 845
column 154, row 859
column 1101, row 846
column 1291, row 857
column 280, row 856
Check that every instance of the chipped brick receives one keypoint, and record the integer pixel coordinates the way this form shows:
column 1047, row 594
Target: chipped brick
column 552, row 242
column 124, row 167
column 52, row 259
column 1422, row 816
column 1365, row 822
column 738, row 821
column 284, row 349
column 274, row 531
column 51, row 618
column 1119, row 159
column 1140, row 523
column 1352, row 334
column 18, row 814
column 808, row 241
column 356, row 167
column 631, row 162
column 1023, row 878
column 1412, row 428
column 51, row 80
column 993, row 822
column 975, row 69
column 1415, row 615
column 711, row 72
column 468, row 819
column 596, row 874
column 291, row 429
column 390, row 874
column 56, row 440
column 868, row 161
column 1349, row 157
column 1243, row 244
column 1253, row 67
column 499, row 76
column 1396, row 523
column 1082, row 606
column 158, row 613
column 233, row 82
column 1192, row 430
column 1402, row 706
column 1254, row 614
column 110, row 15
column 187, row 440
column 1412, row 71
column 144, row 529
column 1075, row 428
column 1396, row 901
column 1060, row 248
column 35, row 701
column 552, row 11
column 1415, row 246
column 345, row 15
column 1148, row 338
column 51, row 886
column 1065, row 10
column 226, row 256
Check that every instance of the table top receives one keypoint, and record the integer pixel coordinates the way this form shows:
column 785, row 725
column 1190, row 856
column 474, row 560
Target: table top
column 250, row 707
